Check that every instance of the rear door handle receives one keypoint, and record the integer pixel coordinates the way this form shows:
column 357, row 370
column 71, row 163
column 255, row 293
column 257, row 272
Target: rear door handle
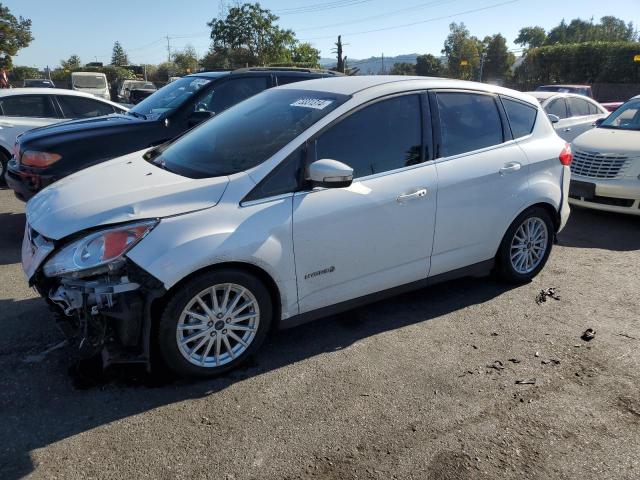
column 405, row 197
column 510, row 167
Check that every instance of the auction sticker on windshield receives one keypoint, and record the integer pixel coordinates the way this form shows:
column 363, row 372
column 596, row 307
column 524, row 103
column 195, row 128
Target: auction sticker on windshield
column 314, row 103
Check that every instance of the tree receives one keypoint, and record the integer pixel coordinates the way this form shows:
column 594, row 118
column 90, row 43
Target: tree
column 15, row 34
column 403, row 68
column 186, row 61
column 305, row 53
column 531, row 37
column 610, row 29
column 498, row 60
column 429, row 66
column 19, row 74
column 461, row 50
column 72, row 63
column 249, row 35
column 119, row 56
column 166, row 70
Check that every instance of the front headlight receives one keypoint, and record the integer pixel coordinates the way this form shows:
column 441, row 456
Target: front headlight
column 98, row 252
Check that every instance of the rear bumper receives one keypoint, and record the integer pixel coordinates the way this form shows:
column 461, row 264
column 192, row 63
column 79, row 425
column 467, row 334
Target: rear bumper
column 25, row 184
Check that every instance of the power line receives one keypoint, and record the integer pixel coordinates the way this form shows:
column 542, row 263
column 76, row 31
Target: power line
column 495, row 5
column 319, row 7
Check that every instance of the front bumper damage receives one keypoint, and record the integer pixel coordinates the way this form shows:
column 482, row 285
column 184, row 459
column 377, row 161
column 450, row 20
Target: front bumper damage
column 107, row 314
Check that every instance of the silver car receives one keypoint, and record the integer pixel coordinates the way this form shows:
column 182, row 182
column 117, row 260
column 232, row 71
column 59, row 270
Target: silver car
column 571, row 114
column 605, row 173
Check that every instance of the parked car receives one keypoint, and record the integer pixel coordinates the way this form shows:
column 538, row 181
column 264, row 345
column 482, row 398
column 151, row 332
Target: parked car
column 94, row 83
column 38, row 83
column 140, row 93
column 22, row 109
column 612, row 106
column 129, row 85
column 164, row 115
column 570, row 114
column 379, row 184
column 606, row 167
column 584, row 90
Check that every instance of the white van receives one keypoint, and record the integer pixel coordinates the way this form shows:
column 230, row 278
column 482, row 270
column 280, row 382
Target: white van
column 94, row 83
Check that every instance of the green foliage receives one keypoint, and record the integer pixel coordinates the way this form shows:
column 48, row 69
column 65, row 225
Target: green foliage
column 531, row 37
column 462, row 52
column 72, row 63
column 166, row 70
column 304, row 53
column 610, row 29
column 15, row 34
column 114, row 73
column 403, row 68
column 186, row 61
column 589, row 62
column 119, row 56
column 429, row 66
column 498, row 60
column 18, row 74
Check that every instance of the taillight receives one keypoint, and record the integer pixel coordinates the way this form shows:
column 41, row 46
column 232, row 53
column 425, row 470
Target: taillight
column 39, row 159
column 565, row 155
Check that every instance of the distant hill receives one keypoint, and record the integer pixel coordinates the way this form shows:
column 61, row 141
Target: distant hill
column 372, row 65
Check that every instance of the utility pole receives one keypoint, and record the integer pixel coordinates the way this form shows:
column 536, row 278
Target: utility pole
column 482, row 57
column 382, row 71
column 168, row 48
column 340, row 64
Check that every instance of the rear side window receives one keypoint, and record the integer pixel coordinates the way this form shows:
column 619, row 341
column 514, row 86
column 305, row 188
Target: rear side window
column 522, row 117
column 228, row 93
column 557, row 107
column 79, row 107
column 27, row 106
column 578, row 107
column 381, row 137
column 593, row 110
column 468, row 122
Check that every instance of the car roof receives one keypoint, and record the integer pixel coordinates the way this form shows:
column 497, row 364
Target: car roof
column 262, row 70
column 351, row 85
column 9, row 92
column 548, row 95
column 566, row 85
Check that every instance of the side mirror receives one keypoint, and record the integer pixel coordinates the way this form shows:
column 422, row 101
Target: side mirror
column 330, row 174
column 553, row 118
column 598, row 122
column 199, row 116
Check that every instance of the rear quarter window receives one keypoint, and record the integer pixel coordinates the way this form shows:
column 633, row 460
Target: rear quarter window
column 522, row 117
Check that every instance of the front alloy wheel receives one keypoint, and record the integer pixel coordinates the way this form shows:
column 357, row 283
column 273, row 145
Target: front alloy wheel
column 214, row 322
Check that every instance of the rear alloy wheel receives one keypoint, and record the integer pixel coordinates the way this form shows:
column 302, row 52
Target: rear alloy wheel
column 526, row 246
column 214, row 323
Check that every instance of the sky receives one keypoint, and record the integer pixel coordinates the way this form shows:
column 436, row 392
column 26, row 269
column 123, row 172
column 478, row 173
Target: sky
column 368, row 27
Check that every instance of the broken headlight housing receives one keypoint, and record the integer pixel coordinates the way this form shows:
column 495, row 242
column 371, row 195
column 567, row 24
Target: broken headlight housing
column 98, row 252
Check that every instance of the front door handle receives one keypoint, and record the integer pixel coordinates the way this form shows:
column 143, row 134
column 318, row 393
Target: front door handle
column 510, row 167
column 405, row 197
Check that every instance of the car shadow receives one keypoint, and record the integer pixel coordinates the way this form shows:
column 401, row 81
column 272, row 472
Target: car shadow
column 54, row 401
column 597, row 229
column 12, row 226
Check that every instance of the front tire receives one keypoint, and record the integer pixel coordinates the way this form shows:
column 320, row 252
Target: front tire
column 214, row 323
column 526, row 246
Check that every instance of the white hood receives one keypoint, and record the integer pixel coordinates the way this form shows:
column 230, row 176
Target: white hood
column 125, row 189
column 609, row 141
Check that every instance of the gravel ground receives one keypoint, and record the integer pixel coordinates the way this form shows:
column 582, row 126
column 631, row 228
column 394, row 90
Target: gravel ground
column 401, row 389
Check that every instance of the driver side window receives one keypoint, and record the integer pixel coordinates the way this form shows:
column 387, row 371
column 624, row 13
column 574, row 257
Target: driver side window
column 228, row 93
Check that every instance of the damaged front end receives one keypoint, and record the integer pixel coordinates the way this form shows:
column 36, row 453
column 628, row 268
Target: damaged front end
column 102, row 299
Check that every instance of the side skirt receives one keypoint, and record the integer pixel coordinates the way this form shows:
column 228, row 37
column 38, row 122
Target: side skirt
column 476, row 270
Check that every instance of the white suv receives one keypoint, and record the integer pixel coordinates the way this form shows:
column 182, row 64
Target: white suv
column 302, row 201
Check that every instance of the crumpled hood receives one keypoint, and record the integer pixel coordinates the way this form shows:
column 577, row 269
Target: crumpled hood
column 609, row 140
column 125, row 189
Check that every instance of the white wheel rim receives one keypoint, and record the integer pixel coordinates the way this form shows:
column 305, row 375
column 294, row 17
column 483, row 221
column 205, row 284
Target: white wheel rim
column 529, row 245
column 218, row 325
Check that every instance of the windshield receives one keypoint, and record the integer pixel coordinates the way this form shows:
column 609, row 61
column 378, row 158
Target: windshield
column 89, row 81
column 247, row 134
column 170, row 96
column 627, row 117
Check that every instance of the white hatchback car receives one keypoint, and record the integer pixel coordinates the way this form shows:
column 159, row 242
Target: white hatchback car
column 303, row 201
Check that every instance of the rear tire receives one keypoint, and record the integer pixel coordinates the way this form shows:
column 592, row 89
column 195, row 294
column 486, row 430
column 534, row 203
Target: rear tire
column 526, row 246
column 200, row 336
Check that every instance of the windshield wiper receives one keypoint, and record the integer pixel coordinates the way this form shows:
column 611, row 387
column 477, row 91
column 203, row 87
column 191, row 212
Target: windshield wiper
column 137, row 115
